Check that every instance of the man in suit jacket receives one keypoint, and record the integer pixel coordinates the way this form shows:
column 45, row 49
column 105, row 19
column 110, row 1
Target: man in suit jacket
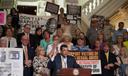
column 28, row 55
column 62, row 60
column 108, row 61
column 27, row 33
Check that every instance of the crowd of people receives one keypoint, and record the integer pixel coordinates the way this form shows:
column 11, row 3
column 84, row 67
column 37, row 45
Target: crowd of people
column 46, row 51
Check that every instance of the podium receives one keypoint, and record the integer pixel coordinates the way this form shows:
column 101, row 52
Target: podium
column 74, row 72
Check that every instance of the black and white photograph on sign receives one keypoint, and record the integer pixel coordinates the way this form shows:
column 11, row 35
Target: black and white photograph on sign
column 5, row 69
column 14, row 55
column 74, row 10
column 52, row 8
column 2, row 56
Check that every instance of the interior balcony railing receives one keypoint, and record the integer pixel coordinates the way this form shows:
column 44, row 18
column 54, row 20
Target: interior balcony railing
column 91, row 6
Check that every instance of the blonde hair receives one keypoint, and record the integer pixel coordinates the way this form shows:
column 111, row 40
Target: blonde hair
column 38, row 49
column 125, row 51
column 66, row 37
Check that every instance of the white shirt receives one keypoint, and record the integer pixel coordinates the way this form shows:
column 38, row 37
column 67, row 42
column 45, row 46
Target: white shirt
column 64, row 62
column 49, row 49
column 13, row 42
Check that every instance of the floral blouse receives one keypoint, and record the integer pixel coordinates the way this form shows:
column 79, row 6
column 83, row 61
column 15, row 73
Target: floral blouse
column 40, row 66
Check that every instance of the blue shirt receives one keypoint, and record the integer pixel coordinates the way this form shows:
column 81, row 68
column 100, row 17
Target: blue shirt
column 117, row 33
column 81, row 49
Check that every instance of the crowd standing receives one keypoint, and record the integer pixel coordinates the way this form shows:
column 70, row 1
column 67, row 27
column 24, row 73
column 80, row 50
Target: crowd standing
column 46, row 51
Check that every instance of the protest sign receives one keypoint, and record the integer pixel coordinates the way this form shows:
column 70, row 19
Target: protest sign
column 88, row 60
column 11, row 62
column 2, row 18
column 33, row 21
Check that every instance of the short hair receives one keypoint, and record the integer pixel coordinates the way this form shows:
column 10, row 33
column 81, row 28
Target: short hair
column 37, row 29
column 8, row 16
column 66, row 36
column 63, row 46
column 106, row 43
column 27, row 25
column 9, row 28
column 54, row 36
column 24, row 36
column 47, row 32
column 38, row 49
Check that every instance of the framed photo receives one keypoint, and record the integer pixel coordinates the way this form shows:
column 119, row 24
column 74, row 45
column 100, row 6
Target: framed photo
column 52, row 8
column 2, row 18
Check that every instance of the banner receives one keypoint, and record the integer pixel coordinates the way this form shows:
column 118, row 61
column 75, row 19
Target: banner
column 88, row 60
column 34, row 21
column 11, row 62
column 2, row 18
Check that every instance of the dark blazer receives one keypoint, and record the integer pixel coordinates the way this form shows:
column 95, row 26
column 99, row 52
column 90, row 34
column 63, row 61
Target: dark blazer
column 28, row 71
column 111, row 59
column 31, row 38
column 56, row 64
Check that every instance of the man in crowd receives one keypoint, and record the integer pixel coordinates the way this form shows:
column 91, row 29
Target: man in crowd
column 62, row 60
column 108, row 61
column 28, row 55
column 118, row 32
column 28, row 34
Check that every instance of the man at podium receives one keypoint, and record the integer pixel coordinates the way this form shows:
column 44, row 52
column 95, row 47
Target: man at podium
column 62, row 60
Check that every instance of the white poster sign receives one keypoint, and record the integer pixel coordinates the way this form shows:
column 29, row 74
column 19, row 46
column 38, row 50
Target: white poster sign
column 33, row 20
column 11, row 62
column 94, row 65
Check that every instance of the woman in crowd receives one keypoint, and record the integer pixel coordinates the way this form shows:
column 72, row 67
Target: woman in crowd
column 81, row 35
column 101, row 38
column 46, row 41
column 3, row 43
column 52, row 49
column 15, row 18
column 66, row 40
column 38, row 36
column 40, row 63
column 61, row 16
column 75, row 36
column 108, row 29
column 123, row 61
column 81, row 45
column 116, row 47
column 11, row 41
column 9, row 22
column 59, row 33
column 125, row 36
column 97, row 46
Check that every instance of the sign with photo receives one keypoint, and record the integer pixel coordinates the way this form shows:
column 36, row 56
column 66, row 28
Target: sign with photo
column 88, row 60
column 2, row 18
column 11, row 62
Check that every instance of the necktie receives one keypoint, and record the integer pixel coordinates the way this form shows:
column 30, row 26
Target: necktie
column 106, row 56
column 26, row 52
column 9, row 43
